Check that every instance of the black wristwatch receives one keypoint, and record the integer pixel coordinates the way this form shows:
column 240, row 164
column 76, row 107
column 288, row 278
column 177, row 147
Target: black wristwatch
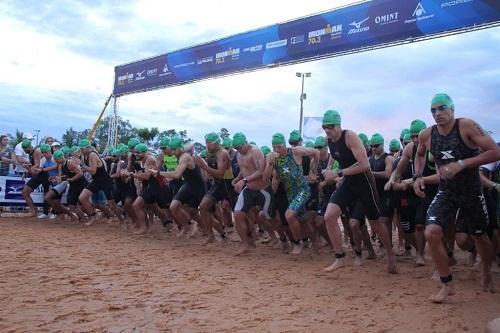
column 245, row 180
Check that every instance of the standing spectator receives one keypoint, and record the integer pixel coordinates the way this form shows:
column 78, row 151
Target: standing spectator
column 21, row 156
column 7, row 155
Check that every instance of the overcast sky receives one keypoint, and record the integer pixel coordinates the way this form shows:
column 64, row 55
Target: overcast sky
column 58, row 57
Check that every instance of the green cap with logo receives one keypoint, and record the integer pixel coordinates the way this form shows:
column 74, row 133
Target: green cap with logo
column 443, row 99
column 212, row 137
column 26, row 143
column 133, row 142
column 141, row 148
column 278, row 139
column 309, row 144
column 320, row 142
column 403, row 132
column 45, row 148
column 331, row 117
column 416, row 126
column 406, row 138
column 227, row 143
column 239, row 139
column 175, row 143
column 265, row 150
column 394, row 145
column 164, row 142
column 58, row 154
column 124, row 149
column 84, row 143
column 364, row 138
column 377, row 139
column 294, row 136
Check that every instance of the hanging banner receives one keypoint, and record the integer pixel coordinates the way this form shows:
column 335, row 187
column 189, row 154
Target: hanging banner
column 311, row 128
column 356, row 27
column 11, row 192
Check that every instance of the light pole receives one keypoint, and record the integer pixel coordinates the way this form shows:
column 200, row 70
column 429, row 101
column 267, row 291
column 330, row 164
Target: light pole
column 302, row 97
column 37, row 132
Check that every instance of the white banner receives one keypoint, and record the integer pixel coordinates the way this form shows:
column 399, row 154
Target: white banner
column 11, row 192
column 312, row 128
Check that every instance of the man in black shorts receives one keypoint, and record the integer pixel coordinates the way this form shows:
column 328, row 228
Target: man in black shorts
column 216, row 165
column 358, row 184
column 455, row 145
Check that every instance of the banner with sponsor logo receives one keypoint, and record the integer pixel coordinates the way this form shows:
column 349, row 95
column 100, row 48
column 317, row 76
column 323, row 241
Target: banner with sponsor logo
column 11, row 192
column 347, row 29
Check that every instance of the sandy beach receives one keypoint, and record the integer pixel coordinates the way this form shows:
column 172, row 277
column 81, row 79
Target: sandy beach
column 60, row 277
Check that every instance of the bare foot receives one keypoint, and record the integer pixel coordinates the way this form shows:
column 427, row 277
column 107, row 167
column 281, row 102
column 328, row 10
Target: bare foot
column 358, row 261
column 141, row 231
column 339, row 263
column 487, row 283
column 194, row 230
column 32, row 213
column 391, row 264
column 244, row 249
column 180, row 233
column 208, row 240
column 445, row 291
column 420, row 261
column 296, row 250
column 471, row 258
column 285, row 247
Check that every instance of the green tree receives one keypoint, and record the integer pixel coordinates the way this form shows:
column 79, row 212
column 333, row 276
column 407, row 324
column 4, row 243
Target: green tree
column 148, row 135
column 70, row 138
column 224, row 134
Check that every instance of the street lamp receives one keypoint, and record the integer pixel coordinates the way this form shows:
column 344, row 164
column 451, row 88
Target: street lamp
column 37, row 132
column 302, row 97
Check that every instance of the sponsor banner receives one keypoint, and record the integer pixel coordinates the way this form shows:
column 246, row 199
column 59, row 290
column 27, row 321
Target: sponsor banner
column 311, row 128
column 11, row 192
column 346, row 29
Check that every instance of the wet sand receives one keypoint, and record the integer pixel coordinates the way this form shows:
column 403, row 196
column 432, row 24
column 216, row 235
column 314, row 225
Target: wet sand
column 58, row 277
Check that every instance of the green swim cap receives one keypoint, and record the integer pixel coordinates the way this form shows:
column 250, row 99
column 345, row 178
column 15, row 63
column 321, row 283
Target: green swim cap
column 309, row 144
column 133, row 142
column 66, row 150
column 45, row 148
column 164, row 142
column 253, row 143
column 265, row 150
column 115, row 152
column 294, row 136
column 331, row 117
column 26, row 143
column 227, row 143
column 407, row 138
column 74, row 149
column 212, row 137
column 239, row 139
column 141, row 148
column 124, row 149
column 121, row 145
column 278, row 139
column 203, row 153
column 416, row 126
column 377, row 139
column 364, row 138
column 403, row 132
column 443, row 99
column 84, row 143
column 394, row 145
column 175, row 142
column 320, row 142
column 58, row 154
column 110, row 149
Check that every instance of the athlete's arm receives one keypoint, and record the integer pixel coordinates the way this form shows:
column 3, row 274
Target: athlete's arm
column 310, row 152
column 93, row 163
column 222, row 165
column 73, row 167
column 403, row 163
column 489, row 150
column 268, row 170
column 353, row 142
column 386, row 174
column 419, row 184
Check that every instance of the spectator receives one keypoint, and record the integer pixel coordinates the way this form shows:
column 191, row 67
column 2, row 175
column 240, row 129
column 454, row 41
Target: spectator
column 7, row 155
column 21, row 156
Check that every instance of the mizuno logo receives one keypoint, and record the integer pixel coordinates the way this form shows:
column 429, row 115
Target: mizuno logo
column 432, row 218
column 357, row 25
column 447, row 155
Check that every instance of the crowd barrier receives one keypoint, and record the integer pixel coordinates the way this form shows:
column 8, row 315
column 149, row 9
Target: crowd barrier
column 11, row 192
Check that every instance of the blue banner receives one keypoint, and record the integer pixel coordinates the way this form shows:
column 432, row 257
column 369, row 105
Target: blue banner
column 363, row 25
